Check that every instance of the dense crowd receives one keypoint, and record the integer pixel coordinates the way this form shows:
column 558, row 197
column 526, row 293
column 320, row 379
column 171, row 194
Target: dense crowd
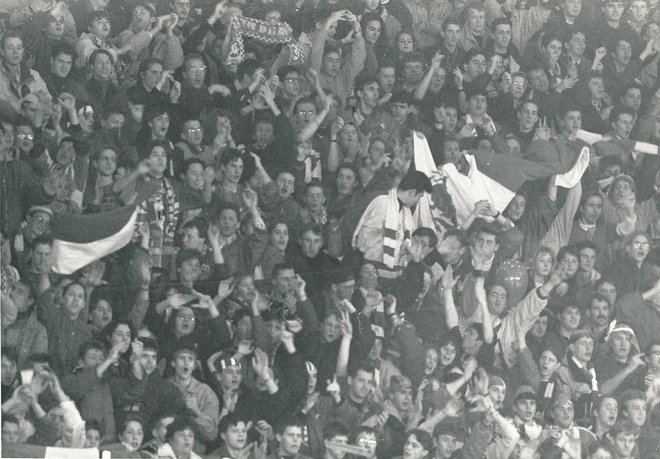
column 303, row 275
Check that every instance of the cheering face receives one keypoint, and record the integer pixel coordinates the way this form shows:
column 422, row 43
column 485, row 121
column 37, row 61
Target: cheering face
column 431, row 361
column 157, row 161
column 100, row 28
column 279, row 236
column 55, row 27
column 182, row 442
column 583, row 348
column 620, row 345
column 548, row 363
column 516, row 208
column 290, row 440
column 570, row 317
column 74, row 300
column 106, row 164
column 132, row 435
column 236, row 436
column 526, row 410
column 413, row 449
column 372, row 32
column 346, row 181
column 447, row 354
column 101, row 315
column 607, row 411
column 369, row 441
column 638, row 248
column 497, row 394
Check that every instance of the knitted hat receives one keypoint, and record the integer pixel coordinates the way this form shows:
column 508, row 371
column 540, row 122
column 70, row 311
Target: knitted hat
column 495, row 381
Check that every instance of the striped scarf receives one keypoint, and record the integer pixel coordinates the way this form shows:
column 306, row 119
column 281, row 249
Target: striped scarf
column 393, row 239
column 161, row 213
column 263, row 32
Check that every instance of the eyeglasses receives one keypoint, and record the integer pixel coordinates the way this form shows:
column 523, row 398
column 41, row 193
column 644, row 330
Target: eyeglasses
column 25, row 136
column 519, row 84
column 197, row 69
column 303, row 113
column 194, row 131
column 640, row 244
column 292, row 80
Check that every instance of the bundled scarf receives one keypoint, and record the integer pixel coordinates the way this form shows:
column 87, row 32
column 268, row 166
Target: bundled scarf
column 392, row 239
column 161, row 213
column 264, row 32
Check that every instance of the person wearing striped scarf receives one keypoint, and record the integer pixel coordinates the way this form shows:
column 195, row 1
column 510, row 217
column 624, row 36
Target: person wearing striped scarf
column 387, row 224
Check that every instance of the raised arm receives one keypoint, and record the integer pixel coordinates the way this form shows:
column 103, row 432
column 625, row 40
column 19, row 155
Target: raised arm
column 448, row 282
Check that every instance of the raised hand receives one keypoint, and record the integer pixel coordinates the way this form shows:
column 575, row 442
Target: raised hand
column 333, row 389
column 260, row 363
column 543, row 130
column 245, row 347
column 250, row 198
column 225, row 288
column 345, row 325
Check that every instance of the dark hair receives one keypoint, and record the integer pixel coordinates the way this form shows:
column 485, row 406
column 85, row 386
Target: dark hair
column 62, row 48
column 288, row 421
column 97, row 52
column 229, row 156
column 451, row 20
column 11, row 33
column 416, row 180
column 231, row 420
column 285, row 70
column 150, row 344
column 88, row 346
column 314, row 228
column 199, row 224
column 423, row 437
column 364, row 79
column 360, row 366
column 500, row 21
column 586, row 244
column 42, row 239
column 123, row 424
column 629, row 395
column 179, row 424
column 247, row 67
column 188, row 254
column 429, row 233
column 109, row 329
column 9, row 353
column 279, row 267
column 621, row 110
column 567, row 249
column 303, row 100
column 335, row 428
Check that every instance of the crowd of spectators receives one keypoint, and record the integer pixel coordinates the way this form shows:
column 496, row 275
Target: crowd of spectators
column 298, row 285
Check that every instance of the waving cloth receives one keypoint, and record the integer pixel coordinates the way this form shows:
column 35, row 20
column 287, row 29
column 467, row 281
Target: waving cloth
column 264, row 32
column 497, row 177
